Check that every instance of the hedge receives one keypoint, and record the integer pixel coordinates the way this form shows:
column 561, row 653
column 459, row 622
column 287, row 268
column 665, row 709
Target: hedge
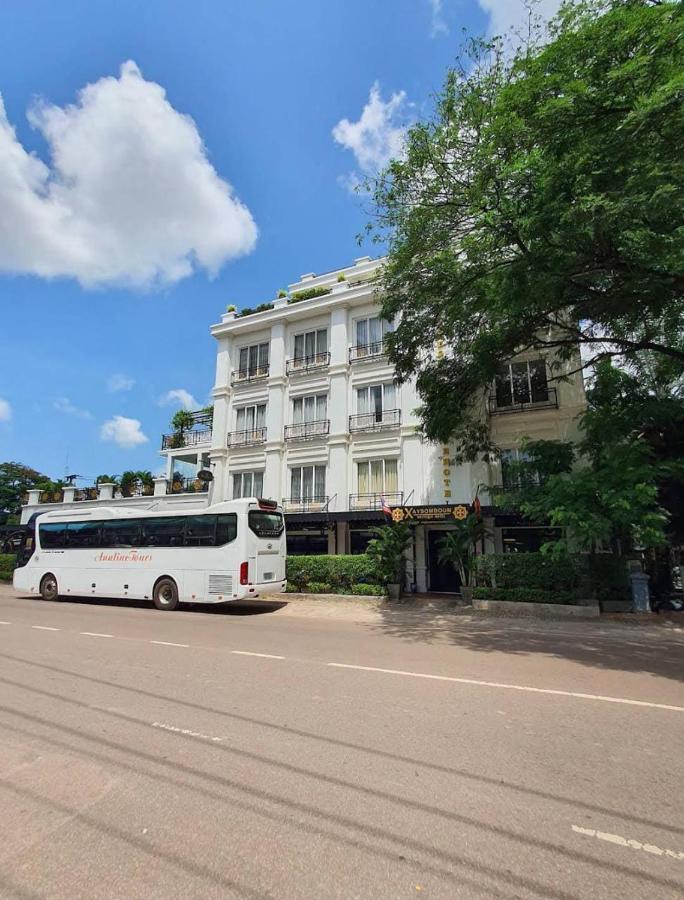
column 340, row 573
column 604, row 576
column 7, row 562
column 525, row 595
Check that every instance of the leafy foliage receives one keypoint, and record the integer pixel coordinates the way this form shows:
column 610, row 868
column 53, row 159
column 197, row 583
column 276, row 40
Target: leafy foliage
column 309, row 294
column 340, row 573
column 248, row 311
column 459, row 546
column 386, row 550
column 540, row 208
column 15, row 480
column 525, row 595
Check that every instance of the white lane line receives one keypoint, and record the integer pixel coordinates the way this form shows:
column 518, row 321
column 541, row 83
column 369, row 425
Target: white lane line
column 45, row 628
column 169, row 644
column 263, row 655
column 94, row 634
column 512, row 687
column 166, row 727
column 627, row 842
column 5, row 623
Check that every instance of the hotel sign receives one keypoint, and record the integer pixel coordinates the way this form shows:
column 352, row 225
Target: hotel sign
column 443, row 512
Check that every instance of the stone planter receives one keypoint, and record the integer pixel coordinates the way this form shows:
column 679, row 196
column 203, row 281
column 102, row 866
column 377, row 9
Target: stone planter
column 393, row 591
column 467, row 595
column 536, row 610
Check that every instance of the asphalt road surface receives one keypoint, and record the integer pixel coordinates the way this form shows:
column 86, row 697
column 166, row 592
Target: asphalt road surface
column 290, row 753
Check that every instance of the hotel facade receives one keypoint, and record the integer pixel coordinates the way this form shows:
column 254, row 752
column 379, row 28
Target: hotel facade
column 307, row 411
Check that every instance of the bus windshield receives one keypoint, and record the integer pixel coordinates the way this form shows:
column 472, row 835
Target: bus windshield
column 265, row 524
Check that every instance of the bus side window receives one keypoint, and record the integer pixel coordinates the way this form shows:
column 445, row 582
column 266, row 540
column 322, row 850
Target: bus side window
column 52, row 535
column 226, row 528
column 200, row 531
column 164, row 532
column 83, row 534
column 120, row 533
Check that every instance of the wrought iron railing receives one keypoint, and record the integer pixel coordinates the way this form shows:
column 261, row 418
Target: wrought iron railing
column 306, row 504
column 51, row 497
column 370, row 350
column 374, row 501
column 547, row 400
column 386, row 418
column 246, row 376
column 307, row 430
column 89, row 493
column 300, row 365
column 188, row 439
column 188, row 485
column 247, row 438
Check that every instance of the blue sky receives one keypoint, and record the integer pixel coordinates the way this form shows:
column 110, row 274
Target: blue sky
column 121, row 243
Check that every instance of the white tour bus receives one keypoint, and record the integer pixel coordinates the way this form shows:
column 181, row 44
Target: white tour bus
column 226, row 552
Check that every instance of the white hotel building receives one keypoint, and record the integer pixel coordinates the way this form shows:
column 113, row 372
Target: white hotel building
column 306, row 410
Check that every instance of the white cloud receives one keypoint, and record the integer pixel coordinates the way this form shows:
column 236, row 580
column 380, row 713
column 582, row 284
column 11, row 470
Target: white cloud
column 120, row 382
column 5, row 411
column 507, row 15
column 129, row 197
column 439, row 25
column 123, row 431
column 64, row 405
column 377, row 136
column 179, row 395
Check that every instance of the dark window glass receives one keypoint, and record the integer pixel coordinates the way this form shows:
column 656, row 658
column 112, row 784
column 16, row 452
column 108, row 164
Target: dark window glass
column 200, row 531
column 52, row 535
column 503, row 387
column 521, row 386
column 120, row 533
column 540, row 390
column 164, row 532
column 226, row 528
column 312, row 543
column 265, row 524
column 83, row 534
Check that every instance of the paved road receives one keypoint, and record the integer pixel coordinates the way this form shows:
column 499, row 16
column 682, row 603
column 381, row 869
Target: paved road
column 276, row 752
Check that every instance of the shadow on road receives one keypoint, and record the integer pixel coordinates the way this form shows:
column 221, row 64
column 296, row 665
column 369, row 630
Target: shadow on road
column 658, row 650
column 242, row 608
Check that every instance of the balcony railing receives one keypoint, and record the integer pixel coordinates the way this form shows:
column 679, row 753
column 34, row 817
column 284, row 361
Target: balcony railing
column 547, row 399
column 247, row 438
column 306, row 504
column 247, row 376
column 188, row 485
column 89, row 493
column 300, row 365
column 52, row 497
column 374, row 501
column 188, row 439
column 372, row 350
column 305, row 431
column 386, row 418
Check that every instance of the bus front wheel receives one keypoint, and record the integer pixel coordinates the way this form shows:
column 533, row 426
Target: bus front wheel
column 48, row 587
column 165, row 594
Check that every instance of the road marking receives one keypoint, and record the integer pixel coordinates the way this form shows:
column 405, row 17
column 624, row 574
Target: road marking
column 94, row 634
column 263, row 655
column 5, row 623
column 512, row 687
column 169, row 644
column 45, row 628
column 166, row 727
column 627, row 842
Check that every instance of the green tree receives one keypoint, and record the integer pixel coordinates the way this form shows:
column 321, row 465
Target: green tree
column 387, row 552
column 459, row 546
column 540, row 208
column 15, row 480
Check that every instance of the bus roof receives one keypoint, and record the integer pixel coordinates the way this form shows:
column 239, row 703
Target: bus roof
column 117, row 512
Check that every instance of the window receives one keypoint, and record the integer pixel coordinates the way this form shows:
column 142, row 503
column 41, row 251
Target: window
column 83, row 534
column 251, row 418
column 121, row 533
column 248, row 484
column 253, row 360
column 166, row 532
column 307, row 482
column 528, row 540
column 313, row 408
column 226, row 528
column 52, row 535
column 370, row 334
column 265, row 524
column 511, row 474
column 519, row 383
column 378, row 476
column 372, row 400
column 311, row 346
column 200, row 531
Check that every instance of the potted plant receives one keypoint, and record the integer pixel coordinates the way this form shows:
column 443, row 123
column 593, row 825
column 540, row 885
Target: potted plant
column 387, row 552
column 129, row 483
column 458, row 548
column 176, row 483
column 181, row 422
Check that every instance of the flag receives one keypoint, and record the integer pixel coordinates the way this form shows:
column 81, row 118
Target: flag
column 385, row 507
column 477, row 506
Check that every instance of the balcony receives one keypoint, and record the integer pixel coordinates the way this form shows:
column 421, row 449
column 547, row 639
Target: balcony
column 247, row 438
column 542, row 399
column 302, row 365
column 386, row 418
column 177, row 440
column 249, row 376
column 305, row 431
column 186, row 485
column 361, row 352
column 306, row 504
column 374, row 501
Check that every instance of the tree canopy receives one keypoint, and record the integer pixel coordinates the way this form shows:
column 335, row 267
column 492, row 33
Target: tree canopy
column 541, row 208
column 15, row 480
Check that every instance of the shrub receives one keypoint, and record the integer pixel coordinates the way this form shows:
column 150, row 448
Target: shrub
column 7, row 562
column 340, row 572
column 525, row 595
column 608, row 577
column 309, row 294
column 374, row 590
column 318, row 587
column 248, row 311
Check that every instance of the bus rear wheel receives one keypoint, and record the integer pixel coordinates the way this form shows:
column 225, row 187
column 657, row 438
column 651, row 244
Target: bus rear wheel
column 48, row 587
column 165, row 594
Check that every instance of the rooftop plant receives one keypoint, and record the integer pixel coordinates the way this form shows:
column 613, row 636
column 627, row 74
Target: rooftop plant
column 309, row 294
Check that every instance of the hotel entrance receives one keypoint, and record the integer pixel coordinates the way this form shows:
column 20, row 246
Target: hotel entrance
column 443, row 577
